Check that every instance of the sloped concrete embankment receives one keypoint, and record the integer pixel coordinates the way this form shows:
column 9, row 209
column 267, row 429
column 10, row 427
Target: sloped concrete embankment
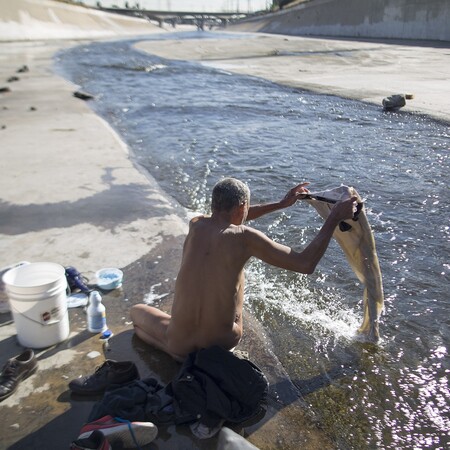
column 386, row 19
column 22, row 20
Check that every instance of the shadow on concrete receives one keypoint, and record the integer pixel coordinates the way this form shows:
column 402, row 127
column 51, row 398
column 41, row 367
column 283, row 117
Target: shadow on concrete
column 6, row 319
column 9, row 348
column 115, row 206
column 310, row 385
column 58, row 433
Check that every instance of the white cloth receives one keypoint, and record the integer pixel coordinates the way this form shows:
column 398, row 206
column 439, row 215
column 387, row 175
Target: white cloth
column 358, row 245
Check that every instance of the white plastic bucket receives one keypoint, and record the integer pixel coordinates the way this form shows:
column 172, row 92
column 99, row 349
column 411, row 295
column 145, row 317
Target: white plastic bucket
column 38, row 299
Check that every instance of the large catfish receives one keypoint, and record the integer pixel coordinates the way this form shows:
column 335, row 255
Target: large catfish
column 356, row 240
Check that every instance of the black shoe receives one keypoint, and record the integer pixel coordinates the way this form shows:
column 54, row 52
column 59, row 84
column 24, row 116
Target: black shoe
column 15, row 370
column 110, row 373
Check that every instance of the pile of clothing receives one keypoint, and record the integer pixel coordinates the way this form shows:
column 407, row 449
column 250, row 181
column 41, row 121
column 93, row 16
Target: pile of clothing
column 213, row 386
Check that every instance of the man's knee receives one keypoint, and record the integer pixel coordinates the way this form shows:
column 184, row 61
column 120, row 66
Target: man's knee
column 136, row 312
column 143, row 315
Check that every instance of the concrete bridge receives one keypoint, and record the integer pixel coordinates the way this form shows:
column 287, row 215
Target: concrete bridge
column 200, row 19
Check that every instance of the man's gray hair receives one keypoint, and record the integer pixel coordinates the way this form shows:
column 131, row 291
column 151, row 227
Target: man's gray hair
column 229, row 193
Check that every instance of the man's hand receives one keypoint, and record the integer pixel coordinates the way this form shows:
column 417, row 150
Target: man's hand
column 289, row 199
column 296, row 193
column 345, row 209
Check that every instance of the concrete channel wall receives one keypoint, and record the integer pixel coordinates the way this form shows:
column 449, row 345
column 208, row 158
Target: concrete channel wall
column 391, row 19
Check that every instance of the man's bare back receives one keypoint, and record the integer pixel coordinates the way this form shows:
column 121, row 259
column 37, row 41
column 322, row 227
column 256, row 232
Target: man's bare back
column 210, row 287
column 209, row 291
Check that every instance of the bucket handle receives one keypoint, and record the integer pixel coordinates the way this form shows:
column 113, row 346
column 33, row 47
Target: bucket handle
column 43, row 321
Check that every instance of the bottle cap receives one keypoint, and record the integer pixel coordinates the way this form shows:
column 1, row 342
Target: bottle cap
column 106, row 335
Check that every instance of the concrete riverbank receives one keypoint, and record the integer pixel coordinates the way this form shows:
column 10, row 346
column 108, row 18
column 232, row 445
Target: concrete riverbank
column 359, row 70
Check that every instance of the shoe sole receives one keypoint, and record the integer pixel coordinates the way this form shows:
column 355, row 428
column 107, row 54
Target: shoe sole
column 23, row 377
column 144, row 433
column 86, row 392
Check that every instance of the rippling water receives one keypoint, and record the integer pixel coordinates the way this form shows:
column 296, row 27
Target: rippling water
column 189, row 125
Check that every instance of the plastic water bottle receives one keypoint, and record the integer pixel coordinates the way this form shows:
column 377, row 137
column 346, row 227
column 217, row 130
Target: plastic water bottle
column 96, row 313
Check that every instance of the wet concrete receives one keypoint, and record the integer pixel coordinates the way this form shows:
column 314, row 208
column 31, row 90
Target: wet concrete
column 43, row 413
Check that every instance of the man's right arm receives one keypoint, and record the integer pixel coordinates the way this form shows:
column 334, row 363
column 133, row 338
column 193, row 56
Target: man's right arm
column 305, row 261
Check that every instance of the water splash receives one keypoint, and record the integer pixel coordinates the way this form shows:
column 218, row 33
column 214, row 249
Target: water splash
column 317, row 309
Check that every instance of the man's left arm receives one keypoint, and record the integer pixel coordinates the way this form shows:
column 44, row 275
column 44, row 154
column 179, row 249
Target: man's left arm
column 294, row 194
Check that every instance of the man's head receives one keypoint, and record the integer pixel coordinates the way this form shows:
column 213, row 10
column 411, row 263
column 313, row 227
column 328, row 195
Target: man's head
column 229, row 193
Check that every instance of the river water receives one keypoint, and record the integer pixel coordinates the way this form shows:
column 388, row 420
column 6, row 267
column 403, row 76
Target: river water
column 189, row 125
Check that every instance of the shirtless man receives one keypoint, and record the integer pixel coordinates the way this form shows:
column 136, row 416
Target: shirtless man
column 209, row 291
